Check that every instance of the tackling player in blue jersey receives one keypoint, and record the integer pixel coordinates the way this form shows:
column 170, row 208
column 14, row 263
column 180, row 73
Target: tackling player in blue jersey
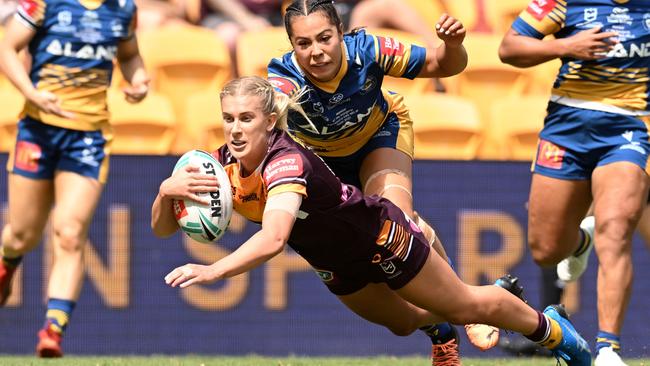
column 363, row 132
column 594, row 143
column 60, row 159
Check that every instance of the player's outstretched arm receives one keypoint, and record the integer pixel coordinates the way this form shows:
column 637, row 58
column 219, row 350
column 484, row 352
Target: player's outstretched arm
column 450, row 58
column 523, row 51
column 132, row 67
column 184, row 184
column 277, row 222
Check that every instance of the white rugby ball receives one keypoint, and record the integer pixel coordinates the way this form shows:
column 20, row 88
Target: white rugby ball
column 205, row 223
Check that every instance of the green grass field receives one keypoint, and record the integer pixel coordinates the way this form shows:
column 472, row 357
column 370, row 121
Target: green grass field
column 270, row 361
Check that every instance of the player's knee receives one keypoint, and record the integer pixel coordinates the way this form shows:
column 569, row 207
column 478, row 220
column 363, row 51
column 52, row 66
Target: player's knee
column 402, row 330
column 70, row 237
column 616, row 229
column 20, row 240
column 543, row 253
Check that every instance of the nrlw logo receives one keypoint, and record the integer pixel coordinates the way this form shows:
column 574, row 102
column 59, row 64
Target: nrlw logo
column 86, row 52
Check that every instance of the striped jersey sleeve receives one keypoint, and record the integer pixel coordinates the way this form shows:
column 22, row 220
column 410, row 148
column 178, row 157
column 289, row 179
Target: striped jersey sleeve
column 541, row 18
column 31, row 12
column 396, row 58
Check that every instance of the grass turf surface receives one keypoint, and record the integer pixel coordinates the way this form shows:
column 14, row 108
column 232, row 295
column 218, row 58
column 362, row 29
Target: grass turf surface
column 271, row 361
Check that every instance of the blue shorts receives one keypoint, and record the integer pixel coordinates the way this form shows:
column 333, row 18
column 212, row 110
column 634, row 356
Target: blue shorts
column 393, row 133
column 575, row 141
column 42, row 149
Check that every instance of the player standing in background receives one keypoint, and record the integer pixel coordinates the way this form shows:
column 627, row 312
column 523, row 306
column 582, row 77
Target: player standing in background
column 362, row 132
column 364, row 248
column 60, row 159
column 594, row 143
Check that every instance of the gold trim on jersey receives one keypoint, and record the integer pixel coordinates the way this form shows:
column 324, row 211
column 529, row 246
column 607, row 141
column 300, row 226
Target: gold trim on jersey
column 355, row 138
column 289, row 187
column 91, row 4
column 82, row 92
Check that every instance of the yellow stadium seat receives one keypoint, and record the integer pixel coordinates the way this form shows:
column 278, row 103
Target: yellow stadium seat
column 501, row 13
column 204, row 113
column 445, row 126
column 518, row 122
column 402, row 85
column 542, row 77
column 429, row 10
column 184, row 60
column 486, row 78
column 468, row 12
column 146, row 128
column 255, row 49
column 11, row 104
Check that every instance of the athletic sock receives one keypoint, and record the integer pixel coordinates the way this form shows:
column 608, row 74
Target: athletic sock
column 548, row 332
column 10, row 262
column 585, row 241
column 605, row 339
column 58, row 314
column 439, row 333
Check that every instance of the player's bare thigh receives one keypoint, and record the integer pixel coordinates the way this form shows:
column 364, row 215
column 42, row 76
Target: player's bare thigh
column 76, row 200
column 77, row 197
column 388, row 172
column 555, row 209
column 30, row 201
column 379, row 304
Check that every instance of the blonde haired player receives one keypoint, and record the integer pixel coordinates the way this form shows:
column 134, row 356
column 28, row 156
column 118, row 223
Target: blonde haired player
column 364, row 248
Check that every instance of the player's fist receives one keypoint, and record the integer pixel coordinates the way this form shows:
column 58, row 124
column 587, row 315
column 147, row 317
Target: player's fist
column 482, row 336
column 450, row 30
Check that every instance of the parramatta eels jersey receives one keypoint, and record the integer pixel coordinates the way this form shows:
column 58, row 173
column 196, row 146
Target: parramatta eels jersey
column 347, row 111
column 73, row 52
column 332, row 215
column 622, row 79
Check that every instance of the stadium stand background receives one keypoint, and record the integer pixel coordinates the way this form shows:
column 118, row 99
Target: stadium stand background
column 473, row 144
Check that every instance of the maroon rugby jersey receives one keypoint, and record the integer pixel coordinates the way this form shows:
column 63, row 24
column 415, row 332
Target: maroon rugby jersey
column 336, row 221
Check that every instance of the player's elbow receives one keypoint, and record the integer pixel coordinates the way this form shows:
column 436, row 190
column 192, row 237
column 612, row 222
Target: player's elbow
column 506, row 56
column 275, row 245
column 162, row 231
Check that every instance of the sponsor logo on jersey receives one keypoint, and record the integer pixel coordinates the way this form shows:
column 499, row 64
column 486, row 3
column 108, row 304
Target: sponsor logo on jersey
column 630, row 50
column 64, row 22
column 369, row 85
column 285, row 86
column 117, row 28
column 30, row 7
column 336, row 99
column 286, row 166
column 620, row 16
column 390, row 46
column 86, row 52
column 590, row 14
column 540, row 8
column 550, row 155
column 646, row 21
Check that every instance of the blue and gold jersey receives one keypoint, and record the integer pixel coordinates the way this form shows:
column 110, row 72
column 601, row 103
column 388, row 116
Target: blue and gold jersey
column 73, row 52
column 622, row 79
column 347, row 111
